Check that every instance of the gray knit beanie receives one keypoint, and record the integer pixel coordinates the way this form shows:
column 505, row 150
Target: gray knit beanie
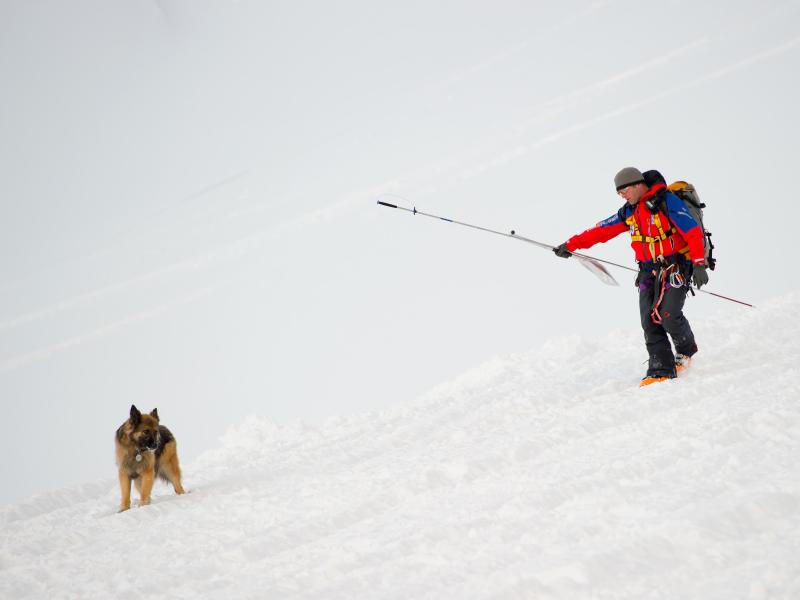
column 628, row 176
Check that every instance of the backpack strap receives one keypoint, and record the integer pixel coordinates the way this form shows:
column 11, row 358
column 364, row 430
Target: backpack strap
column 656, row 203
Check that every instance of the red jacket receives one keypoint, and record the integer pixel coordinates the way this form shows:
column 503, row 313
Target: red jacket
column 669, row 230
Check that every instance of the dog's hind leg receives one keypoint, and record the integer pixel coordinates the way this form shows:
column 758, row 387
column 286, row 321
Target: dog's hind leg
column 170, row 469
column 125, row 489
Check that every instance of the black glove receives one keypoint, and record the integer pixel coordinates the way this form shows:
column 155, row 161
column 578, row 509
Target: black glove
column 562, row 251
column 638, row 279
column 699, row 276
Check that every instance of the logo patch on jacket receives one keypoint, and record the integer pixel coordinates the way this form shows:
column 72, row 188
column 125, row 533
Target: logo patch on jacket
column 609, row 221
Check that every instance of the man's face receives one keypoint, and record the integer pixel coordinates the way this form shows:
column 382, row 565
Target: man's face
column 633, row 193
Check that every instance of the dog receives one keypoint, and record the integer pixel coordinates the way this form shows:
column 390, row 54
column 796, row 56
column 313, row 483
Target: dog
column 145, row 450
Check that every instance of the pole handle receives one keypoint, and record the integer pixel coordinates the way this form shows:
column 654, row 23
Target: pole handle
column 387, row 204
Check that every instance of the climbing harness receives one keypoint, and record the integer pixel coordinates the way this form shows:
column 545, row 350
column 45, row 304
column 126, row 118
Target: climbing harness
column 666, row 276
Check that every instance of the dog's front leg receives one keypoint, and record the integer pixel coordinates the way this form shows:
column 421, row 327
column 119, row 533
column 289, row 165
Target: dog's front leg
column 125, row 489
column 148, row 477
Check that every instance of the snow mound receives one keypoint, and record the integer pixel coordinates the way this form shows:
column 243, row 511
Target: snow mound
column 547, row 474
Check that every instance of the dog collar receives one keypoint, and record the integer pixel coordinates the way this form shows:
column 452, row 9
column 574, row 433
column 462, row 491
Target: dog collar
column 140, row 453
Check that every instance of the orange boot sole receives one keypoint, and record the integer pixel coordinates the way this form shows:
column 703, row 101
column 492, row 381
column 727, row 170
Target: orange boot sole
column 680, row 368
column 649, row 380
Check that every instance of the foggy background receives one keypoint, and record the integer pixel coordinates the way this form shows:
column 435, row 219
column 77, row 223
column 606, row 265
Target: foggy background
column 189, row 189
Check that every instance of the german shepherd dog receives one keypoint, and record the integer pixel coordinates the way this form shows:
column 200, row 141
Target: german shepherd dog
column 145, row 449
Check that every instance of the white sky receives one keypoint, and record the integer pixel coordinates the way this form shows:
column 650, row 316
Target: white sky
column 188, row 197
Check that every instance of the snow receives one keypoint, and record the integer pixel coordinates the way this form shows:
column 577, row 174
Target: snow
column 547, row 474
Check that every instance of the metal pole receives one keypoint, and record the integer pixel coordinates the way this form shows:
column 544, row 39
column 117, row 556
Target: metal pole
column 513, row 235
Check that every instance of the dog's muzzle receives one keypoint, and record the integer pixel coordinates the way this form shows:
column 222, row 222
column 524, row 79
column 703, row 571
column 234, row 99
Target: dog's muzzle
column 149, row 444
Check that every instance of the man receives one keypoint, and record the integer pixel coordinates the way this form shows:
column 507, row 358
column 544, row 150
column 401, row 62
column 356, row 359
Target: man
column 669, row 247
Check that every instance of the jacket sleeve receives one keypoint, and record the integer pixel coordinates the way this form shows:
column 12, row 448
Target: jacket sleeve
column 602, row 232
column 690, row 229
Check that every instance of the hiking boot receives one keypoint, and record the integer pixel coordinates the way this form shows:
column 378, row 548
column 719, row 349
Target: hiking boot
column 682, row 363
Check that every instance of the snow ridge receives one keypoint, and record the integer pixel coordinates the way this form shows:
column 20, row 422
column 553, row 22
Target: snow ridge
column 547, row 474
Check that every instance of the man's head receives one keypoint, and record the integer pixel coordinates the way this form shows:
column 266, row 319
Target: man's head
column 630, row 184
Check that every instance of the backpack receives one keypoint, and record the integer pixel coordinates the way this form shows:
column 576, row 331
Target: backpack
column 686, row 192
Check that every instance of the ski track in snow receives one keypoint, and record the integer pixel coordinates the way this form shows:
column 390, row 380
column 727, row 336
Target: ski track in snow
column 547, row 474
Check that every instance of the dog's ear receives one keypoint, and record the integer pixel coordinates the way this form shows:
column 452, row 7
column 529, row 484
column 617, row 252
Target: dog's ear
column 136, row 416
column 154, row 414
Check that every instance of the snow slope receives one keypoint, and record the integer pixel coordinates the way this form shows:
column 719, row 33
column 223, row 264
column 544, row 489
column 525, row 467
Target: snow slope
column 541, row 475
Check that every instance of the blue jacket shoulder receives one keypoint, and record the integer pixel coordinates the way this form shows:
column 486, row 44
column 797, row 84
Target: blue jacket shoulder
column 679, row 213
column 622, row 214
